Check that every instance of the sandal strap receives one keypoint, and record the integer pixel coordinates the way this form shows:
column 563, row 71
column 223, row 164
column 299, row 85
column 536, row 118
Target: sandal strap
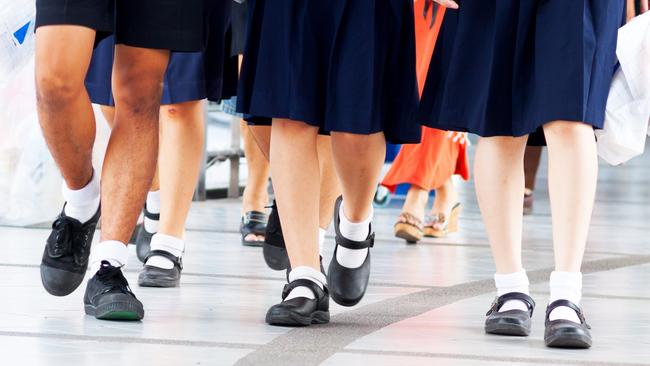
column 311, row 285
column 255, row 216
column 566, row 303
column 410, row 219
column 500, row 300
column 178, row 261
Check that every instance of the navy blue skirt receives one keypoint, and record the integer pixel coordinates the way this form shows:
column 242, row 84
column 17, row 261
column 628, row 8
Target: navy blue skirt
column 189, row 76
column 507, row 67
column 340, row 65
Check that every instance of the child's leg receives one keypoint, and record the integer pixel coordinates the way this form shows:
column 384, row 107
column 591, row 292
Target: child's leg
column 329, row 186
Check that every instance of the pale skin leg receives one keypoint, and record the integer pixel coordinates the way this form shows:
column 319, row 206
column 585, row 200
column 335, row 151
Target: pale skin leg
column 415, row 202
column 532, row 158
column 63, row 55
column 130, row 159
column 446, row 198
column 572, row 179
column 255, row 197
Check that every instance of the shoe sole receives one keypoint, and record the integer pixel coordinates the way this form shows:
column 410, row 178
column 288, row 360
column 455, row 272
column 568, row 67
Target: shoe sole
column 275, row 257
column 252, row 243
column 157, row 282
column 291, row 319
column 408, row 233
column 574, row 341
column 116, row 311
column 73, row 282
column 507, row 329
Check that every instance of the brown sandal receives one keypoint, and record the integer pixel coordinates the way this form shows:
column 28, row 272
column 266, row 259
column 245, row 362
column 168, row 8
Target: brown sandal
column 438, row 226
column 409, row 228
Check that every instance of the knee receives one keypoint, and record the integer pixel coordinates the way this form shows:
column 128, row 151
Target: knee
column 138, row 95
column 565, row 131
column 57, row 88
column 188, row 111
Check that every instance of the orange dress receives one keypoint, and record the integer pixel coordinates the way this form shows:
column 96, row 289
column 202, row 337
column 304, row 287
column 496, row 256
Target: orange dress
column 429, row 164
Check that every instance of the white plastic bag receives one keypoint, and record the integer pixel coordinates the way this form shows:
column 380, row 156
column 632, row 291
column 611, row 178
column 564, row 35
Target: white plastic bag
column 16, row 36
column 628, row 106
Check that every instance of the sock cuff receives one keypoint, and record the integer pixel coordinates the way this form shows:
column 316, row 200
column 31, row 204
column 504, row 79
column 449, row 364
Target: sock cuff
column 566, row 279
column 153, row 202
column 515, row 279
column 113, row 251
column 86, row 195
column 168, row 243
column 308, row 273
column 321, row 235
column 345, row 219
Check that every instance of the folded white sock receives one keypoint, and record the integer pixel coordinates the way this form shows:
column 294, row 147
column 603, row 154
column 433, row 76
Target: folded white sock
column 82, row 204
column 153, row 206
column 565, row 286
column 307, row 273
column 356, row 231
column 321, row 240
column 512, row 282
column 168, row 243
column 113, row 251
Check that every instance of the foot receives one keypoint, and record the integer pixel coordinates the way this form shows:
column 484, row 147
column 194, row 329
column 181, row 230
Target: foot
column 275, row 251
column 528, row 202
column 510, row 322
column 348, row 285
column 409, row 228
column 143, row 239
column 301, row 311
column 152, row 276
column 439, row 225
column 65, row 258
column 108, row 296
column 253, row 228
column 562, row 333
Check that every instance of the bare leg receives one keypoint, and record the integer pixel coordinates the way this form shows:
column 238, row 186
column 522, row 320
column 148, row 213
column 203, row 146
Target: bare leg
column 132, row 150
column 262, row 137
column 532, row 159
column 62, row 57
column 446, row 198
column 416, row 202
column 499, row 177
column 329, row 183
column 255, row 195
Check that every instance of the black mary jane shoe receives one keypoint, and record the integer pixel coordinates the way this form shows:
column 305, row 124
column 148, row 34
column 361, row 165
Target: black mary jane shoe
column 564, row 333
column 348, row 285
column 300, row 311
column 151, row 276
column 253, row 222
column 275, row 251
column 143, row 237
column 510, row 322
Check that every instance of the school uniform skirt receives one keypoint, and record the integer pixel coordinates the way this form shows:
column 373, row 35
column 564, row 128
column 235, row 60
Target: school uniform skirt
column 507, row 67
column 340, row 65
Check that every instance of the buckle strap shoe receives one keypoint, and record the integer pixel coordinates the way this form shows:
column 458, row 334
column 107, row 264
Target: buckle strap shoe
column 152, row 276
column 562, row 333
column 510, row 322
column 143, row 237
column 301, row 311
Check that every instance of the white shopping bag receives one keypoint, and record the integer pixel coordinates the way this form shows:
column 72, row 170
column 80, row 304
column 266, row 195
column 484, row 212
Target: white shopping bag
column 16, row 36
column 628, row 106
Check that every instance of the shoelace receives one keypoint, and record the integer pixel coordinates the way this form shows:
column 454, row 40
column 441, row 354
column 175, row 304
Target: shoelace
column 69, row 232
column 113, row 278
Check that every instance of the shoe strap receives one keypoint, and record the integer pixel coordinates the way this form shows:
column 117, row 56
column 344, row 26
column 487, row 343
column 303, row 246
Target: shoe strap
column 301, row 282
column 343, row 241
column 150, row 215
column 566, row 303
column 520, row 296
column 254, row 217
column 178, row 261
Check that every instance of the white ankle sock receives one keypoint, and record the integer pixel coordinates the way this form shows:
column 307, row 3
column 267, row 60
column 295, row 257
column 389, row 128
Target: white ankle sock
column 307, row 273
column 321, row 240
column 113, row 251
column 565, row 286
column 169, row 244
column 512, row 282
column 153, row 206
column 356, row 231
column 82, row 204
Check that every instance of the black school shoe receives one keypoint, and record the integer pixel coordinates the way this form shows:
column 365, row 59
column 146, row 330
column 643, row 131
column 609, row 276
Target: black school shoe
column 510, row 322
column 151, row 276
column 275, row 251
column 300, row 311
column 563, row 333
column 348, row 285
column 108, row 296
column 143, row 238
column 65, row 258
column 253, row 222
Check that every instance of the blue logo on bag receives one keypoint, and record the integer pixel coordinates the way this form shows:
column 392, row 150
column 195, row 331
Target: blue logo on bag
column 21, row 33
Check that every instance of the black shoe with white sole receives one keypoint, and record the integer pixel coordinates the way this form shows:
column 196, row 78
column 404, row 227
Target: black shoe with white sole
column 109, row 297
column 510, row 322
column 562, row 333
column 300, row 311
column 65, row 258
column 143, row 237
column 152, row 276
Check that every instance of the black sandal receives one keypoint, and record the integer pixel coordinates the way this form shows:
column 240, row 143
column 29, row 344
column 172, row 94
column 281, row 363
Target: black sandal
column 300, row 311
column 143, row 239
column 253, row 222
column 510, row 322
column 348, row 285
column 151, row 276
column 564, row 333
column 275, row 251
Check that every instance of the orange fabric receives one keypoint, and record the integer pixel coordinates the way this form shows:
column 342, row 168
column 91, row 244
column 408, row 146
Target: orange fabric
column 429, row 164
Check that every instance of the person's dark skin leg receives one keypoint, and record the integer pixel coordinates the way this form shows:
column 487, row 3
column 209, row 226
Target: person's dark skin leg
column 532, row 158
column 63, row 54
column 132, row 151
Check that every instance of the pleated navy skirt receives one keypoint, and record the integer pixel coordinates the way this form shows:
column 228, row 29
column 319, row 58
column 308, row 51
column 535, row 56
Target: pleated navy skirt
column 340, row 65
column 189, row 76
column 507, row 67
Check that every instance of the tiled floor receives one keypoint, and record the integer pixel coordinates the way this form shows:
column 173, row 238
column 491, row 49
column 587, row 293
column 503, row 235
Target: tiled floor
column 425, row 305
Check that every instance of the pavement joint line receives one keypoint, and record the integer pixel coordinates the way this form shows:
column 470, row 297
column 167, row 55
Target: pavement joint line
column 460, row 356
column 315, row 344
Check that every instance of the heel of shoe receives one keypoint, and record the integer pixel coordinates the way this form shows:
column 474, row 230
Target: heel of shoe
column 454, row 217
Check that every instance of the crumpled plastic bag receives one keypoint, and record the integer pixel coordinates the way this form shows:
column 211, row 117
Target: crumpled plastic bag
column 16, row 36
